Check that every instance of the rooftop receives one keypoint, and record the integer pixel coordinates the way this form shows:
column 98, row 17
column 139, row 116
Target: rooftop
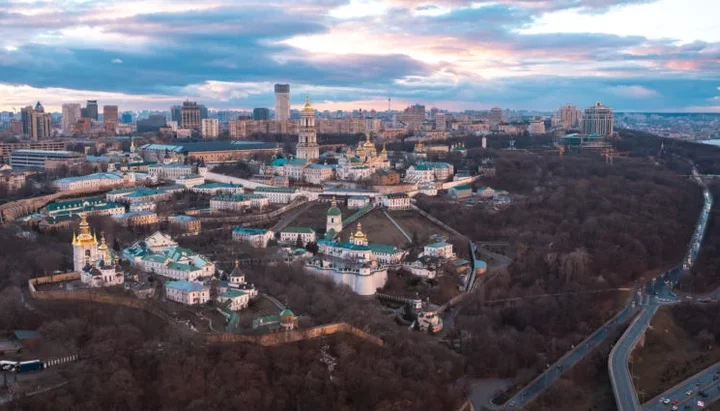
column 304, row 230
column 186, row 286
column 94, row 176
column 439, row 245
column 268, row 189
column 249, row 231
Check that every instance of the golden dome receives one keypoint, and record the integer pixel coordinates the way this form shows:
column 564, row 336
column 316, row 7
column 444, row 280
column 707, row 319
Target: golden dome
column 84, row 238
column 307, row 106
column 359, row 235
column 384, row 150
column 103, row 246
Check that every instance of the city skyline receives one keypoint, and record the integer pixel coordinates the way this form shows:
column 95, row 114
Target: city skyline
column 455, row 55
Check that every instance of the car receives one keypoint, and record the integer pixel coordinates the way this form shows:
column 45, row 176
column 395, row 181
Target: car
column 665, row 400
column 676, row 402
column 688, row 392
column 674, row 408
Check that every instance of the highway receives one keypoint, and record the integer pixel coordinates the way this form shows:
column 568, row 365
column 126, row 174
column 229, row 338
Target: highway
column 706, row 381
column 654, row 293
column 574, row 356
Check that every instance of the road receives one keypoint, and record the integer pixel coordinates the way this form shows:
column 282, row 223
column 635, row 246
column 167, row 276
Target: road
column 292, row 215
column 574, row 356
column 706, row 381
column 656, row 292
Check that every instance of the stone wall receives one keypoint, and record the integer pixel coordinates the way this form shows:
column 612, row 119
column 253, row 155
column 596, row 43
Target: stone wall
column 293, row 336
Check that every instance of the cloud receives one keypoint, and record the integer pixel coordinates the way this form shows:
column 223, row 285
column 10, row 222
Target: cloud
column 461, row 53
column 633, row 91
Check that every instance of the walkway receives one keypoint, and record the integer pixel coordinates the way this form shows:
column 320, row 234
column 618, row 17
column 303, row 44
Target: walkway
column 291, row 216
column 397, row 226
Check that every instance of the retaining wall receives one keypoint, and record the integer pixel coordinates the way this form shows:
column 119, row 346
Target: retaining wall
column 293, row 336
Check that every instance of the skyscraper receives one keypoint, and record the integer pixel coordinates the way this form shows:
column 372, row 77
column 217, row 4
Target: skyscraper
column 190, row 115
column 413, row 117
column 110, row 118
column 176, row 113
column 261, row 113
column 569, row 116
column 307, row 146
column 70, row 116
column 282, row 102
column 496, row 116
column 598, row 119
column 37, row 124
column 91, row 110
column 210, row 128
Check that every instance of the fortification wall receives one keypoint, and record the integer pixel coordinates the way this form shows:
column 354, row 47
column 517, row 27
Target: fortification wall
column 294, row 336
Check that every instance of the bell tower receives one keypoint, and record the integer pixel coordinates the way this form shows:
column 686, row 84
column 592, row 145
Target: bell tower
column 334, row 218
column 85, row 246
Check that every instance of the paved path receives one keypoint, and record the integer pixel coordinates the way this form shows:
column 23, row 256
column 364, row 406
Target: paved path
column 291, row 216
column 392, row 220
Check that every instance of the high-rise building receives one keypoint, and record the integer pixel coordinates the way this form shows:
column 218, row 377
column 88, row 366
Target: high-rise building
column 152, row 124
column 203, row 111
column 37, row 124
column 598, row 119
column 282, row 102
column 440, row 121
column 569, row 116
column 261, row 113
column 190, row 115
column 16, row 127
column 537, row 126
column 110, row 118
column 126, row 117
column 307, row 146
column 496, row 116
column 70, row 116
column 413, row 117
column 91, row 110
column 176, row 113
column 210, row 128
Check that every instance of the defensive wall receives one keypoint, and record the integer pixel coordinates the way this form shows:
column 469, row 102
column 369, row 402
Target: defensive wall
column 98, row 296
column 253, row 219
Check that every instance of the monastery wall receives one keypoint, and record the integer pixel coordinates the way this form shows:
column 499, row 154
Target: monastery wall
column 294, row 336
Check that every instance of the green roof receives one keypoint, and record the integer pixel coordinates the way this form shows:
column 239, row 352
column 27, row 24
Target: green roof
column 182, row 267
column 230, row 293
column 383, row 248
column 334, row 211
column 268, row 189
column 462, row 187
column 286, row 312
column 305, row 230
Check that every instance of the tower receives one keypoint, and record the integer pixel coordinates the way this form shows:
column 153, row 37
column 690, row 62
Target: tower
column 282, row 102
column 85, row 246
column 484, row 142
column 307, row 147
column 334, row 218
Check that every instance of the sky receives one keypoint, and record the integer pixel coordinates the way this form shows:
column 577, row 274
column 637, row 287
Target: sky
column 633, row 55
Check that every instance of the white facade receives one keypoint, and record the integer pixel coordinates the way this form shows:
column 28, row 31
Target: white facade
column 282, row 102
column 289, row 235
column 190, row 180
column 143, row 206
column 318, row 173
column 277, row 195
column 210, row 128
column 238, row 299
column 396, row 202
column 598, row 119
column 356, row 202
column 442, row 250
column 96, row 181
column 174, row 171
column 256, row 237
column 239, row 202
column 187, row 292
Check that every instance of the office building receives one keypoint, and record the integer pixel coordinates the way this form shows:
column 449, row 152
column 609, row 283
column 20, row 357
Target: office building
column 7, row 148
column 282, row 102
column 569, row 116
column 36, row 123
column 536, row 126
column 210, row 128
column 412, row 117
column 152, row 124
column 126, row 117
column 39, row 159
column 110, row 118
column 307, row 147
column 598, row 119
column 91, row 110
column 261, row 113
column 190, row 116
column 440, row 122
column 176, row 113
column 70, row 116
